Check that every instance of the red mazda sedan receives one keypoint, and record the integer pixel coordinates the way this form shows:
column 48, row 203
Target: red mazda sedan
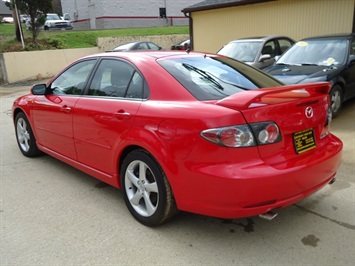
column 194, row 132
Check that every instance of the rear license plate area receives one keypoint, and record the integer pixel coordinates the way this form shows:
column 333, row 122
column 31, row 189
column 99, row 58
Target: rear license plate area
column 304, row 140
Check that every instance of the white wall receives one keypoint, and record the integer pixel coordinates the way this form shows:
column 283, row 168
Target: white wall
column 34, row 65
column 127, row 13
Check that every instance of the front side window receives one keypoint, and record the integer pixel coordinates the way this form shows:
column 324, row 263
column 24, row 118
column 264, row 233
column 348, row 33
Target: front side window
column 116, row 78
column 73, row 79
column 284, row 44
column 269, row 48
column 213, row 78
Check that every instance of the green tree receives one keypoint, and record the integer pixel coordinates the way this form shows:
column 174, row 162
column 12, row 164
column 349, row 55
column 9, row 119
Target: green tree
column 57, row 7
column 36, row 9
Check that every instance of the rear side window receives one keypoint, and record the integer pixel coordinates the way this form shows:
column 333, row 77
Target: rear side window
column 214, row 78
column 116, row 78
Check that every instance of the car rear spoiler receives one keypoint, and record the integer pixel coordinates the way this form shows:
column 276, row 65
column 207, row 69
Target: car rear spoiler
column 266, row 96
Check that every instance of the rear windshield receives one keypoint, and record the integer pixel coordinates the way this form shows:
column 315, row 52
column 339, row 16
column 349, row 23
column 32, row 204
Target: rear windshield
column 214, row 78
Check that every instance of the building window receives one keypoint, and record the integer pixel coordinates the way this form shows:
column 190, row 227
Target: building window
column 162, row 12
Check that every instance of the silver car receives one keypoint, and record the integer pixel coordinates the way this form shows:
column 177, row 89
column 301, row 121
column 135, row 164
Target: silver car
column 260, row 52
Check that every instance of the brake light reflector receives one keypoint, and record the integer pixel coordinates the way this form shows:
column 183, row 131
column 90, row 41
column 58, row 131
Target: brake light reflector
column 266, row 132
column 244, row 135
column 269, row 134
column 234, row 136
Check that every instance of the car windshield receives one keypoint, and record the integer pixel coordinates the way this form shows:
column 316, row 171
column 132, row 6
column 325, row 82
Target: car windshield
column 52, row 17
column 244, row 51
column 214, row 78
column 321, row 52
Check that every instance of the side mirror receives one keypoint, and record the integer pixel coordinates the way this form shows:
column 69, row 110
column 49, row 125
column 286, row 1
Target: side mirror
column 66, row 16
column 39, row 89
column 264, row 57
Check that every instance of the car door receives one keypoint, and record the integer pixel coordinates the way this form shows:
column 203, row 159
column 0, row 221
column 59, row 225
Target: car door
column 53, row 113
column 269, row 48
column 105, row 115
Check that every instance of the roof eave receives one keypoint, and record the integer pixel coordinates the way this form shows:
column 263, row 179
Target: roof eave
column 223, row 5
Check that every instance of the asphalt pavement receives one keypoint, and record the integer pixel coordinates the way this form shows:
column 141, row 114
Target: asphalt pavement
column 53, row 214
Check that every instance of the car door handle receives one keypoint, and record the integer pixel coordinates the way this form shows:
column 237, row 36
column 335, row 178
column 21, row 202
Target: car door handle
column 122, row 115
column 65, row 109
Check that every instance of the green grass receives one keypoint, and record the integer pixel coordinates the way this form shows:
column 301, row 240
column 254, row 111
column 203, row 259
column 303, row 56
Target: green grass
column 84, row 38
column 6, row 29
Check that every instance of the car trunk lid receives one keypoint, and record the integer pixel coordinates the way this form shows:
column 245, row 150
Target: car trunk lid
column 300, row 111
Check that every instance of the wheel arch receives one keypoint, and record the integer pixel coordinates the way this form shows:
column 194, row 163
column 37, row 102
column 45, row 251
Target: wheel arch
column 341, row 83
column 123, row 155
column 18, row 110
column 159, row 159
column 164, row 202
column 31, row 149
column 128, row 149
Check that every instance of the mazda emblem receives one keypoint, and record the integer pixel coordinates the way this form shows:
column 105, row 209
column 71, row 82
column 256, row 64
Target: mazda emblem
column 309, row 112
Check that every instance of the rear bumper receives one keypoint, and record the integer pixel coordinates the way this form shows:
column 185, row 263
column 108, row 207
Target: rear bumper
column 243, row 190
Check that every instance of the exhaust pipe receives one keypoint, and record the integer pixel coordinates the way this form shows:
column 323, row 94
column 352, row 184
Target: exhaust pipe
column 332, row 181
column 268, row 215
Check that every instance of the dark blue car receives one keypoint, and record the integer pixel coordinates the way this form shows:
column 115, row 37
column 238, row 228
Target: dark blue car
column 324, row 58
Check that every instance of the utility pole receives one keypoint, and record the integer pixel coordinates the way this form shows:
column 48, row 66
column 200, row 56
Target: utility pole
column 17, row 23
column 14, row 15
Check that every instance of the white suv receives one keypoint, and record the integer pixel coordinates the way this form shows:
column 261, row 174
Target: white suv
column 54, row 22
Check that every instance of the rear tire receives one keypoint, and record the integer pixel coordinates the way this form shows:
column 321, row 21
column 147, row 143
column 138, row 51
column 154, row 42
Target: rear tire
column 146, row 190
column 24, row 136
column 336, row 100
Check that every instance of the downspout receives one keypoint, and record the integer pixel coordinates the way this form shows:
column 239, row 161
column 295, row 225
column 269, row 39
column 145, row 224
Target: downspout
column 191, row 30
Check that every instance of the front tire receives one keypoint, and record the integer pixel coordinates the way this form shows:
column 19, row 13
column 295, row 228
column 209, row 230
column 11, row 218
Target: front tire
column 146, row 190
column 24, row 136
column 336, row 100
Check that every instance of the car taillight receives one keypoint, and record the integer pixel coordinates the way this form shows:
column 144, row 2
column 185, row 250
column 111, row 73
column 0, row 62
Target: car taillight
column 266, row 132
column 244, row 135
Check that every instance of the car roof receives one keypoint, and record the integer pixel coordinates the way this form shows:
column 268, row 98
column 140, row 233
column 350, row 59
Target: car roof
column 134, row 42
column 261, row 38
column 152, row 54
column 128, row 45
column 333, row 36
